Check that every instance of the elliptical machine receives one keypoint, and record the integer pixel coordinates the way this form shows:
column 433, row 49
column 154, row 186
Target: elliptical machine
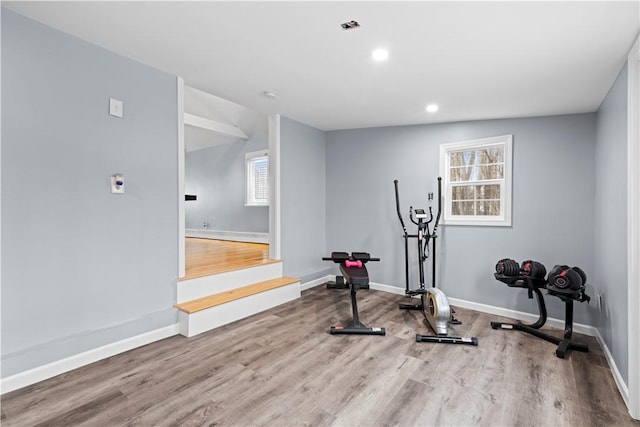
column 434, row 304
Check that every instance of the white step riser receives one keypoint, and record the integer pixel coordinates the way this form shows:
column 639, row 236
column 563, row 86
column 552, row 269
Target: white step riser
column 203, row 286
column 211, row 318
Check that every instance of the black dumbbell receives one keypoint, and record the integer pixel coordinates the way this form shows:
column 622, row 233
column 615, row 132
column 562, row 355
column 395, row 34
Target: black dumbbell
column 508, row 267
column 564, row 278
column 582, row 274
column 533, row 269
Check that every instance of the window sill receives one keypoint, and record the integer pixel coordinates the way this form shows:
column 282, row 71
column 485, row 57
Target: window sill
column 477, row 222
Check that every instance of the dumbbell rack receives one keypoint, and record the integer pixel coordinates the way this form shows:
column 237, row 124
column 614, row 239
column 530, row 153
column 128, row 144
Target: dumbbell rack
column 533, row 285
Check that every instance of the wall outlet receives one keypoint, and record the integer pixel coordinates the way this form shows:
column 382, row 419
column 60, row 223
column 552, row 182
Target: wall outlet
column 205, row 224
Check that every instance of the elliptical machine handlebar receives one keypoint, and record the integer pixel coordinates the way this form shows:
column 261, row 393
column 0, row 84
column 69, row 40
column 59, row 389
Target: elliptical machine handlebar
column 419, row 223
column 435, row 226
column 404, row 228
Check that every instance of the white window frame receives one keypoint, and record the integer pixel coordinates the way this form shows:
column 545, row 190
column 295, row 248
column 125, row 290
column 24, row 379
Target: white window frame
column 250, row 196
column 502, row 220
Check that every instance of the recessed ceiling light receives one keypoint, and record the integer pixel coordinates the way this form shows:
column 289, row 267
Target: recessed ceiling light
column 380, row 54
column 270, row 94
column 432, row 108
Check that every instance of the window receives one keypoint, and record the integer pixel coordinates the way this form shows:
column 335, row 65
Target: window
column 476, row 177
column 257, row 178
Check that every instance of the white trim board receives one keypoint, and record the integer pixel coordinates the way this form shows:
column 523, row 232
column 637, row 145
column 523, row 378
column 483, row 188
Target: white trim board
column 316, row 282
column 622, row 387
column 237, row 236
column 214, row 126
column 633, row 227
column 70, row 363
column 521, row 315
column 275, row 235
column 332, row 277
column 181, row 163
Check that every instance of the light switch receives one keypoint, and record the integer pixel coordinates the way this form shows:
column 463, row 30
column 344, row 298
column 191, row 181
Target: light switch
column 115, row 107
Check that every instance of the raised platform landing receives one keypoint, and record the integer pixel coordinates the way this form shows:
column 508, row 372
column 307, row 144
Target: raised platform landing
column 206, row 257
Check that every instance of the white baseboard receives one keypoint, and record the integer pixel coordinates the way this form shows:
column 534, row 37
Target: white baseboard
column 622, row 386
column 58, row 367
column 332, row 277
column 386, row 288
column 317, row 282
column 236, row 236
column 521, row 315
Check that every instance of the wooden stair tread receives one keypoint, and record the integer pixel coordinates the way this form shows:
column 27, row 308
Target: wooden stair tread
column 209, row 301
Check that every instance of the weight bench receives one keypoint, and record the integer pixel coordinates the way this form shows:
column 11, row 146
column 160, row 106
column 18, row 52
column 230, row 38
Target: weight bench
column 356, row 277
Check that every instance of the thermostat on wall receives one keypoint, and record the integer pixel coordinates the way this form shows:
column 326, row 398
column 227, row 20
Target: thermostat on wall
column 117, row 184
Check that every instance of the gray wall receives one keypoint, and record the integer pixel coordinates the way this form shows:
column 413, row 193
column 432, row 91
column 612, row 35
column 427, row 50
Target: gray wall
column 82, row 267
column 217, row 176
column 303, row 195
column 553, row 190
column 610, row 276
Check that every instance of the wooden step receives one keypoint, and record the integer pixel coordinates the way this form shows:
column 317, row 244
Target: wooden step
column 189, row 290
column 204, row 303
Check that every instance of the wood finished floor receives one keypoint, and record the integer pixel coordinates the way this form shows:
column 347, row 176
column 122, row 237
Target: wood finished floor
column 282, row 368
column 205, row 257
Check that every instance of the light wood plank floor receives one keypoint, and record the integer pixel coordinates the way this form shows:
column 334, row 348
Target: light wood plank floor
column 282, row 368
column 205, row 257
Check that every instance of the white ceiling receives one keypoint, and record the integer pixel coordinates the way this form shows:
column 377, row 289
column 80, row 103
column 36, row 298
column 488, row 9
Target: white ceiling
column 211, row 107
column 477, row 60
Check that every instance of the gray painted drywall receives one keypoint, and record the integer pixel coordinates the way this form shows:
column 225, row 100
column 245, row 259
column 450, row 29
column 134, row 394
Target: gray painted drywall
column 553, row 193
column 81, row 267
column 303, row 195
column 610, row 278
column 216, row 175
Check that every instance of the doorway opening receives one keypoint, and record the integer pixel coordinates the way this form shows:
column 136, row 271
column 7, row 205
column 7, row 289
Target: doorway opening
column 216, row 137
